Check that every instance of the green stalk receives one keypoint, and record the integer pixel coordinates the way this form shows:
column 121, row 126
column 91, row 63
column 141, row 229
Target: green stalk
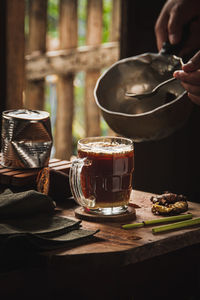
column 156, row 221
column 134, row 225
column 176, row 225
column 168, row 219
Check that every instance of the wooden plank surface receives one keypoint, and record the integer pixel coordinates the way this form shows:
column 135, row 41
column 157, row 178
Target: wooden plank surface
column 118, row 247
column 121, row 262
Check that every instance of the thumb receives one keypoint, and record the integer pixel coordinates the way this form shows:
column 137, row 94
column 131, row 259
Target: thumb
column 193, row 64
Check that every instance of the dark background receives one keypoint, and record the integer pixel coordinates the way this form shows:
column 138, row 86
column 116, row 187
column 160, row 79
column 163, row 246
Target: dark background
column 171, row 164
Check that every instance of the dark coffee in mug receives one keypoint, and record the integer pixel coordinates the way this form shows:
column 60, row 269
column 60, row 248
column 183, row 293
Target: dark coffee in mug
column 107, row 176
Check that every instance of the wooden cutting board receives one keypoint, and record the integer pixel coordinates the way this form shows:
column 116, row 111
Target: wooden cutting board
column 22, row 177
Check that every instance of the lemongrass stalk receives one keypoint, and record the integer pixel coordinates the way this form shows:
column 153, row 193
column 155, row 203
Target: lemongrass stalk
column 168, row 219
column 134, row 225
column 157, row 221
column 176, row 225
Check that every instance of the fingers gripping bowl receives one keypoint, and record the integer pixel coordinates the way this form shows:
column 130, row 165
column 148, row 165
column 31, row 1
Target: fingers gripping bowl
column 149, row 118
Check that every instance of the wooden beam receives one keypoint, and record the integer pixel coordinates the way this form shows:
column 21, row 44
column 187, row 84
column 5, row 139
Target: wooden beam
column 93, row 37
column 62, row 62
column 115, row 34
column 3, row 56
column 37, row 25
column 15, row 13
column 2, row 60
column 68, row 28
column 116, row 21
column 34, row 97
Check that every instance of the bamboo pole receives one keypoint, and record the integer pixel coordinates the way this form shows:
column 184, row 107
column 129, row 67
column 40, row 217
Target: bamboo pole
column 93, row 37
column 116, row 21
column 35, row 90
column 2, row 61
column 14, row 53
column 115, row 33
column 65, row 106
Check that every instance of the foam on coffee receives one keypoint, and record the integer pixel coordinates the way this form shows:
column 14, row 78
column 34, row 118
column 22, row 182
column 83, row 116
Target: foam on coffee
column 106, row 147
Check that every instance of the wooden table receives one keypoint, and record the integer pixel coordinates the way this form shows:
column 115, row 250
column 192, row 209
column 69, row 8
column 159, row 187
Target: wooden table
column 119, row 264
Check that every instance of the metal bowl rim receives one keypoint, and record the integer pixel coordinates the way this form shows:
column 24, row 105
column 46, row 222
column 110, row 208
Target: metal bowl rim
column 125, row 114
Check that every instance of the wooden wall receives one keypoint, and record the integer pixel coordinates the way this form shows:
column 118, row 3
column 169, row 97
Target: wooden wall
column 24, row 70
column 65, row 62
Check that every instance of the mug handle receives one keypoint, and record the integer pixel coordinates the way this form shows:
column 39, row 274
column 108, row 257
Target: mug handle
column 75, row 183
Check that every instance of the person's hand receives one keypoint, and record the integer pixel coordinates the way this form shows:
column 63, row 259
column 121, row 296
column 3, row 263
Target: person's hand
column 190, row 77
column 173, row 17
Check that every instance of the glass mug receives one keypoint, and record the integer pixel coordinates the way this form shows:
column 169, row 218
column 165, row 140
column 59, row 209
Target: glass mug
column 101, row 176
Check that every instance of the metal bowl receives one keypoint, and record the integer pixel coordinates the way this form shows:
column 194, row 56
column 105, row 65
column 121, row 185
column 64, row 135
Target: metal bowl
column 150, row 118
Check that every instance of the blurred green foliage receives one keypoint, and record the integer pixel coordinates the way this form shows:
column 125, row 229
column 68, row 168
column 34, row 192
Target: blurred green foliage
column 53, row 15
column 107, row 9
column 53, row 18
